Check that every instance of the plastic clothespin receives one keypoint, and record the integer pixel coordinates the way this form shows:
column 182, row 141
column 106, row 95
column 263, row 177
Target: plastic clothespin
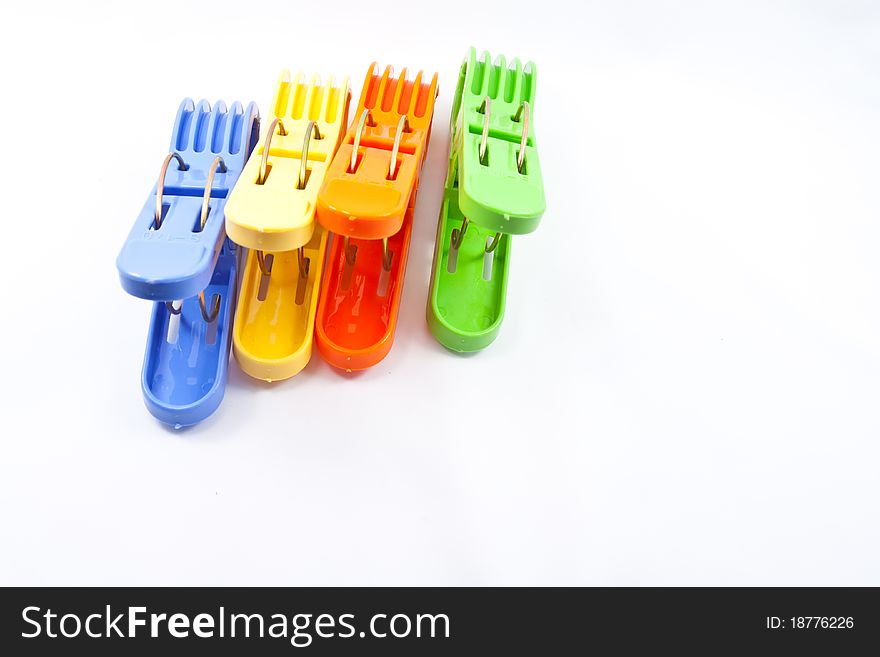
column 493, row 190
column 177, row 255
column 367, row 200
column 271, row 211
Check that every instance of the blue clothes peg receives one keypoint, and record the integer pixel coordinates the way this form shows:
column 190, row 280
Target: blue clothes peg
column 174, row 244
column 177, row 255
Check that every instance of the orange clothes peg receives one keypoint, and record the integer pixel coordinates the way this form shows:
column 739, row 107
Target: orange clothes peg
column 367, row 200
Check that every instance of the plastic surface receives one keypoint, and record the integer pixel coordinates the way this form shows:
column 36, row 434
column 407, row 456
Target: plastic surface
column 276, row 215
column 466, row 300
column 360, row 300
column 275, row 318
column 494, row 194
column 357, row 314
column 466, row 305
column 185, row 369
column 176, row 261
column 366, row 203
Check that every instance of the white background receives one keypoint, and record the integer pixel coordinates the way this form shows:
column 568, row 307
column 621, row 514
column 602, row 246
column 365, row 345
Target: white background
column 685, row 388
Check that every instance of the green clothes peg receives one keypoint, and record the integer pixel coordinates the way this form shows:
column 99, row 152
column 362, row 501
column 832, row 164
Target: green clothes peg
column 493, row 190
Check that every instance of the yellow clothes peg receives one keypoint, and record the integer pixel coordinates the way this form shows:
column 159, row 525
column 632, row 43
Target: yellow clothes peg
column 271, row 211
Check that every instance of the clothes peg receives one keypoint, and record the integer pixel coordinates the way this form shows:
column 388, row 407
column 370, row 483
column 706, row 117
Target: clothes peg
column 494, row 190
column 177, row 254
column 367, row 200
column 271, row 211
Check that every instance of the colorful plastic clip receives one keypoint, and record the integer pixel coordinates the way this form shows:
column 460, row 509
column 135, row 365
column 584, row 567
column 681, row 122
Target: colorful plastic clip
column 367, row 200
column 493, row 190
column 177, row 254
column 272, row 212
